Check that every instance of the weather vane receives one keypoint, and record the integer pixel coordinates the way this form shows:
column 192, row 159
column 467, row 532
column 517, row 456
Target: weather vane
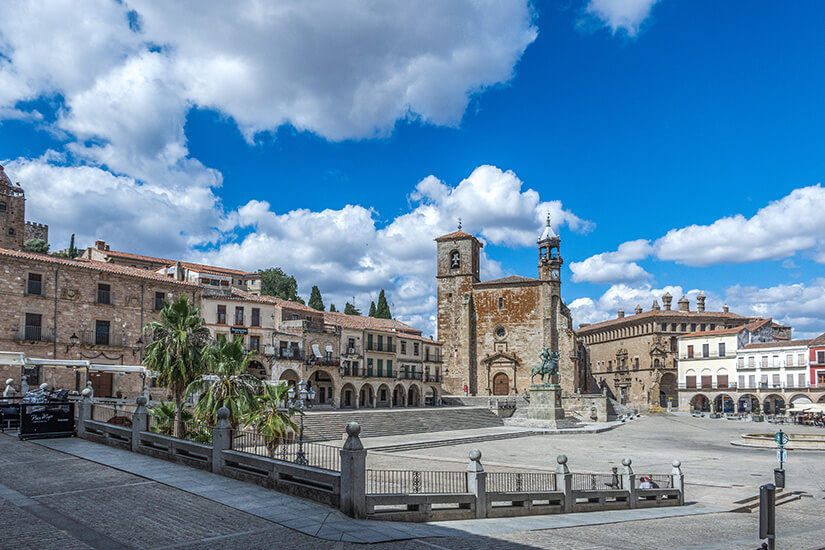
column 459, row 224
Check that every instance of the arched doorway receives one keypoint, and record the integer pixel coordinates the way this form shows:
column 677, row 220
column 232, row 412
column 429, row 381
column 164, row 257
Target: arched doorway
column 414, row 396
column 256, row 369
column 383, row 397
column 723, row 403
column 432, row 397
column 398, row 395
column 821, row 399
column 800, row 400
column 321, row 382
column 366, row 397
column 501, row 384
column 774, row 404
column 348, row 396
column 747, row 403
column 290, row 377
column 700, row 403
column 667, row 390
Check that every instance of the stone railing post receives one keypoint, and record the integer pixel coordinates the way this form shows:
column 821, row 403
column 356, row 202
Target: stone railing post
column 564, row 482
column 91, row 390
column 84, row 411
column 477, row 482
column 221, row 440
column 140, row 421
column 629, row 482
column 353, row 498
column 678, row 481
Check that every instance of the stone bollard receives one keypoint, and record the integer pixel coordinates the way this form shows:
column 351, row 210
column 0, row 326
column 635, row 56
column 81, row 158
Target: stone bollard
column 629, row 482
column 564, row 482
column 477, row 482
column 678, row 481
column 353, row 499
column 221, row 440
column 140, row 421
column 84, row 411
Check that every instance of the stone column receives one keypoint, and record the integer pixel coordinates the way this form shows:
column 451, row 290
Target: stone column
column 221, row 440
column 84, row 411
column 678, row 481
column 140, row 421
column 564, row 482
column 353, row 498
column 629, row 482
column 477, row 482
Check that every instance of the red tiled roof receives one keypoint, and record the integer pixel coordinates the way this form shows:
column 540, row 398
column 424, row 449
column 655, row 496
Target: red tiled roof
column 200, row 268
column 777, row 344
column 686, row 315
column 510, row 280
column 93, row 265
column 818, row 340
column 370, row 323
column 274, row 300
column 753, row 325
column 456, row 235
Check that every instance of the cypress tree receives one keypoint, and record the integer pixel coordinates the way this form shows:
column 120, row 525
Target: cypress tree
column 382, row 310
column 372, row 309
column 315, row 300
column 332, row 308
column 350, row 309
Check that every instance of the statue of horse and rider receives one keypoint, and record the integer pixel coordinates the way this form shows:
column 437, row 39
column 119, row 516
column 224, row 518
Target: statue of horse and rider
column 548, row 367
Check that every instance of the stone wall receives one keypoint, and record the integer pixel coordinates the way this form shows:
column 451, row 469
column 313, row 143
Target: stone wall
column 588, row 407
column 12, row 216
column 34, row 230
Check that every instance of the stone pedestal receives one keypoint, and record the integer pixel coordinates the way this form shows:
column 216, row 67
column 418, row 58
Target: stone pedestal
column 545, row 403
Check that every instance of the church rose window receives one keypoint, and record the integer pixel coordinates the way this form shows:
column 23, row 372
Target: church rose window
column 501, row 332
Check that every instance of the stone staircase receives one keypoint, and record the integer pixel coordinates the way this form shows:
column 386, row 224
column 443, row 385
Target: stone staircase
column 414, row 446
column 616, row 409
column 325, row 426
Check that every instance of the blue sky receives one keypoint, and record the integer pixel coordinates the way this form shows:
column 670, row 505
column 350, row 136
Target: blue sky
column 338, row 152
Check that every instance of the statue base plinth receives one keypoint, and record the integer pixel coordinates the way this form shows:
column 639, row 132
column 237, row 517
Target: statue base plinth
column 545, row 402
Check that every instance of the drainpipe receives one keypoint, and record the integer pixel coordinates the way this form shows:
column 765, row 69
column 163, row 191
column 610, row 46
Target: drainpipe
column 54, row 343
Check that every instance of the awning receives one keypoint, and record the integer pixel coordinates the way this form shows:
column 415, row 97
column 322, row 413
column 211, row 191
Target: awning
column 316, row 351
column 12, row 358
column 328, row 348
column 118, row 368
column 807, row 408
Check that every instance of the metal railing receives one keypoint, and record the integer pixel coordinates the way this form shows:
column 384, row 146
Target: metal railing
column 432, row 358
column 660, row 481
column 34, row 334
column 382, row 347
column 596, row 482
column 326, row 361
column 290, row 354
column 414, row 482
column 317, row 455
column 517, row 482
column 410, row 375
column 102, row 338
column 112, row 415
column 351, row 350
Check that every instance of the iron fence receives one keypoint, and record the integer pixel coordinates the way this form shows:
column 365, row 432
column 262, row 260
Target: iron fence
column 596, row 482
column 317, row 455
column 111, row 415
column 412, row 482
column 517, row 482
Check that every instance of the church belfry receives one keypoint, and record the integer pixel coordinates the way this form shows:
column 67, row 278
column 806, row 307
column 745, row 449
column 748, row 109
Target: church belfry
column 550, row 260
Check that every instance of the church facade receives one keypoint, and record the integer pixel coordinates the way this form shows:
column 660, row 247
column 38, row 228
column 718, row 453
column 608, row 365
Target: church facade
column 493, row 331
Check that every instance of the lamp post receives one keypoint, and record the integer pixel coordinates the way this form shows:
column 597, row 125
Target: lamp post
column 302, row 401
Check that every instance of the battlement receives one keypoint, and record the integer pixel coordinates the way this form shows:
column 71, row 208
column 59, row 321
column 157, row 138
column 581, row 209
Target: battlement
column 34, row 230
column 8, row 191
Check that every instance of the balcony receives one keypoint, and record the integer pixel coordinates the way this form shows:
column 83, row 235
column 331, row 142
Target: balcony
column 435, row 378
column 407, row 375
column 103, row 338
column 382, row 348
column 34, row 334
column 365, row 372
column 327, row 361
column 286, row 354
column 352, row 350
column 433, row 358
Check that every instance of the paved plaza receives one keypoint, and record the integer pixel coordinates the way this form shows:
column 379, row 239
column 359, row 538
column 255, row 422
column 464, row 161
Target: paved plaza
column 71, row 498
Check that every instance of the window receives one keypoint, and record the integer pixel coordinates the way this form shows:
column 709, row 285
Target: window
column 500, row 303
column 752, row 381
column 455, row 259
column 239, row 316
column 790, row 381
column 2, row 207
column 690, row 382
column 764, row 363
column 693, row 327
column 380, row 343
column 702, row 326
column 389, row 367
column 636, row 363
column 159, row 299
column 690, row 352
column 101, row 333
column 610, row 366
column 415, row 348
column 801, row 379
column 775, row 362
column 741, row 362
column 104, row 294
column 721, row 380
column 380, row 367
column 673, row 327
column 11, row 231
column 800, row 360
column 34, row 285
column 33, row 329
column 707, row 381
column 221, row 315
column 789, row 360
column 751, row 362
column 684, row 327
column 721, row 349
column 256, row 317
column 501, row 332
column 775, row 380
column 255, row 343
column 369, row 367
column 705, row 350
column 820, row 357
column 389, row 344
column 369, row 342
column 403, row 347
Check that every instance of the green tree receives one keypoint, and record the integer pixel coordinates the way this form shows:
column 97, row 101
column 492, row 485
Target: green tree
column 350, row 309
column 382, row 310
column 274, row 282
column 332, row 308
column 176, row 350
column 233, row 388
column 315, row 301
column 70, row 252
column 36, row 245
column 372, row 309
column 164, row 415
column 269, row 419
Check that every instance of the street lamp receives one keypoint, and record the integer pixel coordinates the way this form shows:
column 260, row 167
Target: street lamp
column 303, row 401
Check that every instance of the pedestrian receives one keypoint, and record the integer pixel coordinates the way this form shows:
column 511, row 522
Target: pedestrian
column 646, row 483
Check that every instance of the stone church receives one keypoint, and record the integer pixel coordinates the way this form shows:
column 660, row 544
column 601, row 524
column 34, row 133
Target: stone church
column 493, row 331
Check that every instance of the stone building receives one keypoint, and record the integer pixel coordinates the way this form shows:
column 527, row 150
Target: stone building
column 60, row 309
column 493, row 331
column 14, row 229
column 635, row 357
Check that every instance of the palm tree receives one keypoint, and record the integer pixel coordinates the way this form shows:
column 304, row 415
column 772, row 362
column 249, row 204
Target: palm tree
column 164, row 415
column 176, row 350
column 270, row 421
column 233, row 388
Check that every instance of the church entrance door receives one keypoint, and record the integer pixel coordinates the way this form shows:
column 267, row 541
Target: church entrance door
column 501, row 384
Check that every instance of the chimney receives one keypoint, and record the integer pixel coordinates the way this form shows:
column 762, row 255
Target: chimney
column 655, row 306
column 178, row 271
column 100, row 244
column 700, row 302
column 638, row 309
column 666, row 300
column 684, row 304
column 725, row 308
column 621, row 313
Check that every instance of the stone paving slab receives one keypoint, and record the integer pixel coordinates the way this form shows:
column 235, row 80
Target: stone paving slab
column 325, row 522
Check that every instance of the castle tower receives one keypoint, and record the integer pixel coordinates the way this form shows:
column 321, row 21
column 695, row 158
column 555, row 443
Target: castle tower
column 457, row 271
column 12, row 213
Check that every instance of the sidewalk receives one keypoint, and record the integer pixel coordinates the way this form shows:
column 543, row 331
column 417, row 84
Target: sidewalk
column 327, row 523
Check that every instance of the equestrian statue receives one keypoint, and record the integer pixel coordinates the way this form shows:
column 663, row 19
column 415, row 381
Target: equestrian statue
column 548, row 367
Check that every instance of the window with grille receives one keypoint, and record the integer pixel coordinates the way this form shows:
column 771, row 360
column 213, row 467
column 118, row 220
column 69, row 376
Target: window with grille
column 160, row 297
column 221, row 315
column 104, row 294
column 34, row 284
column 256, row 317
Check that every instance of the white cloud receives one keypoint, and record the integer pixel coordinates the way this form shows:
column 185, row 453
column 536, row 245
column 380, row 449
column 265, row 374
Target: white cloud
column 627, row 297
column 802, row 306
column 627, row 15
column 614, row 267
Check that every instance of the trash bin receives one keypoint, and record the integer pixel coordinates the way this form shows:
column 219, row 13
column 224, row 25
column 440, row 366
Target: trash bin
column 779, row 477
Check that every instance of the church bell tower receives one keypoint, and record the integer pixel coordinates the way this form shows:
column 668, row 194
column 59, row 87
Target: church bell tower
column 550, row 260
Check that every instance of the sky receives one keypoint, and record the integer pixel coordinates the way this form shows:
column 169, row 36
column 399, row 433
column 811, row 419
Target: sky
column 676, row 145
